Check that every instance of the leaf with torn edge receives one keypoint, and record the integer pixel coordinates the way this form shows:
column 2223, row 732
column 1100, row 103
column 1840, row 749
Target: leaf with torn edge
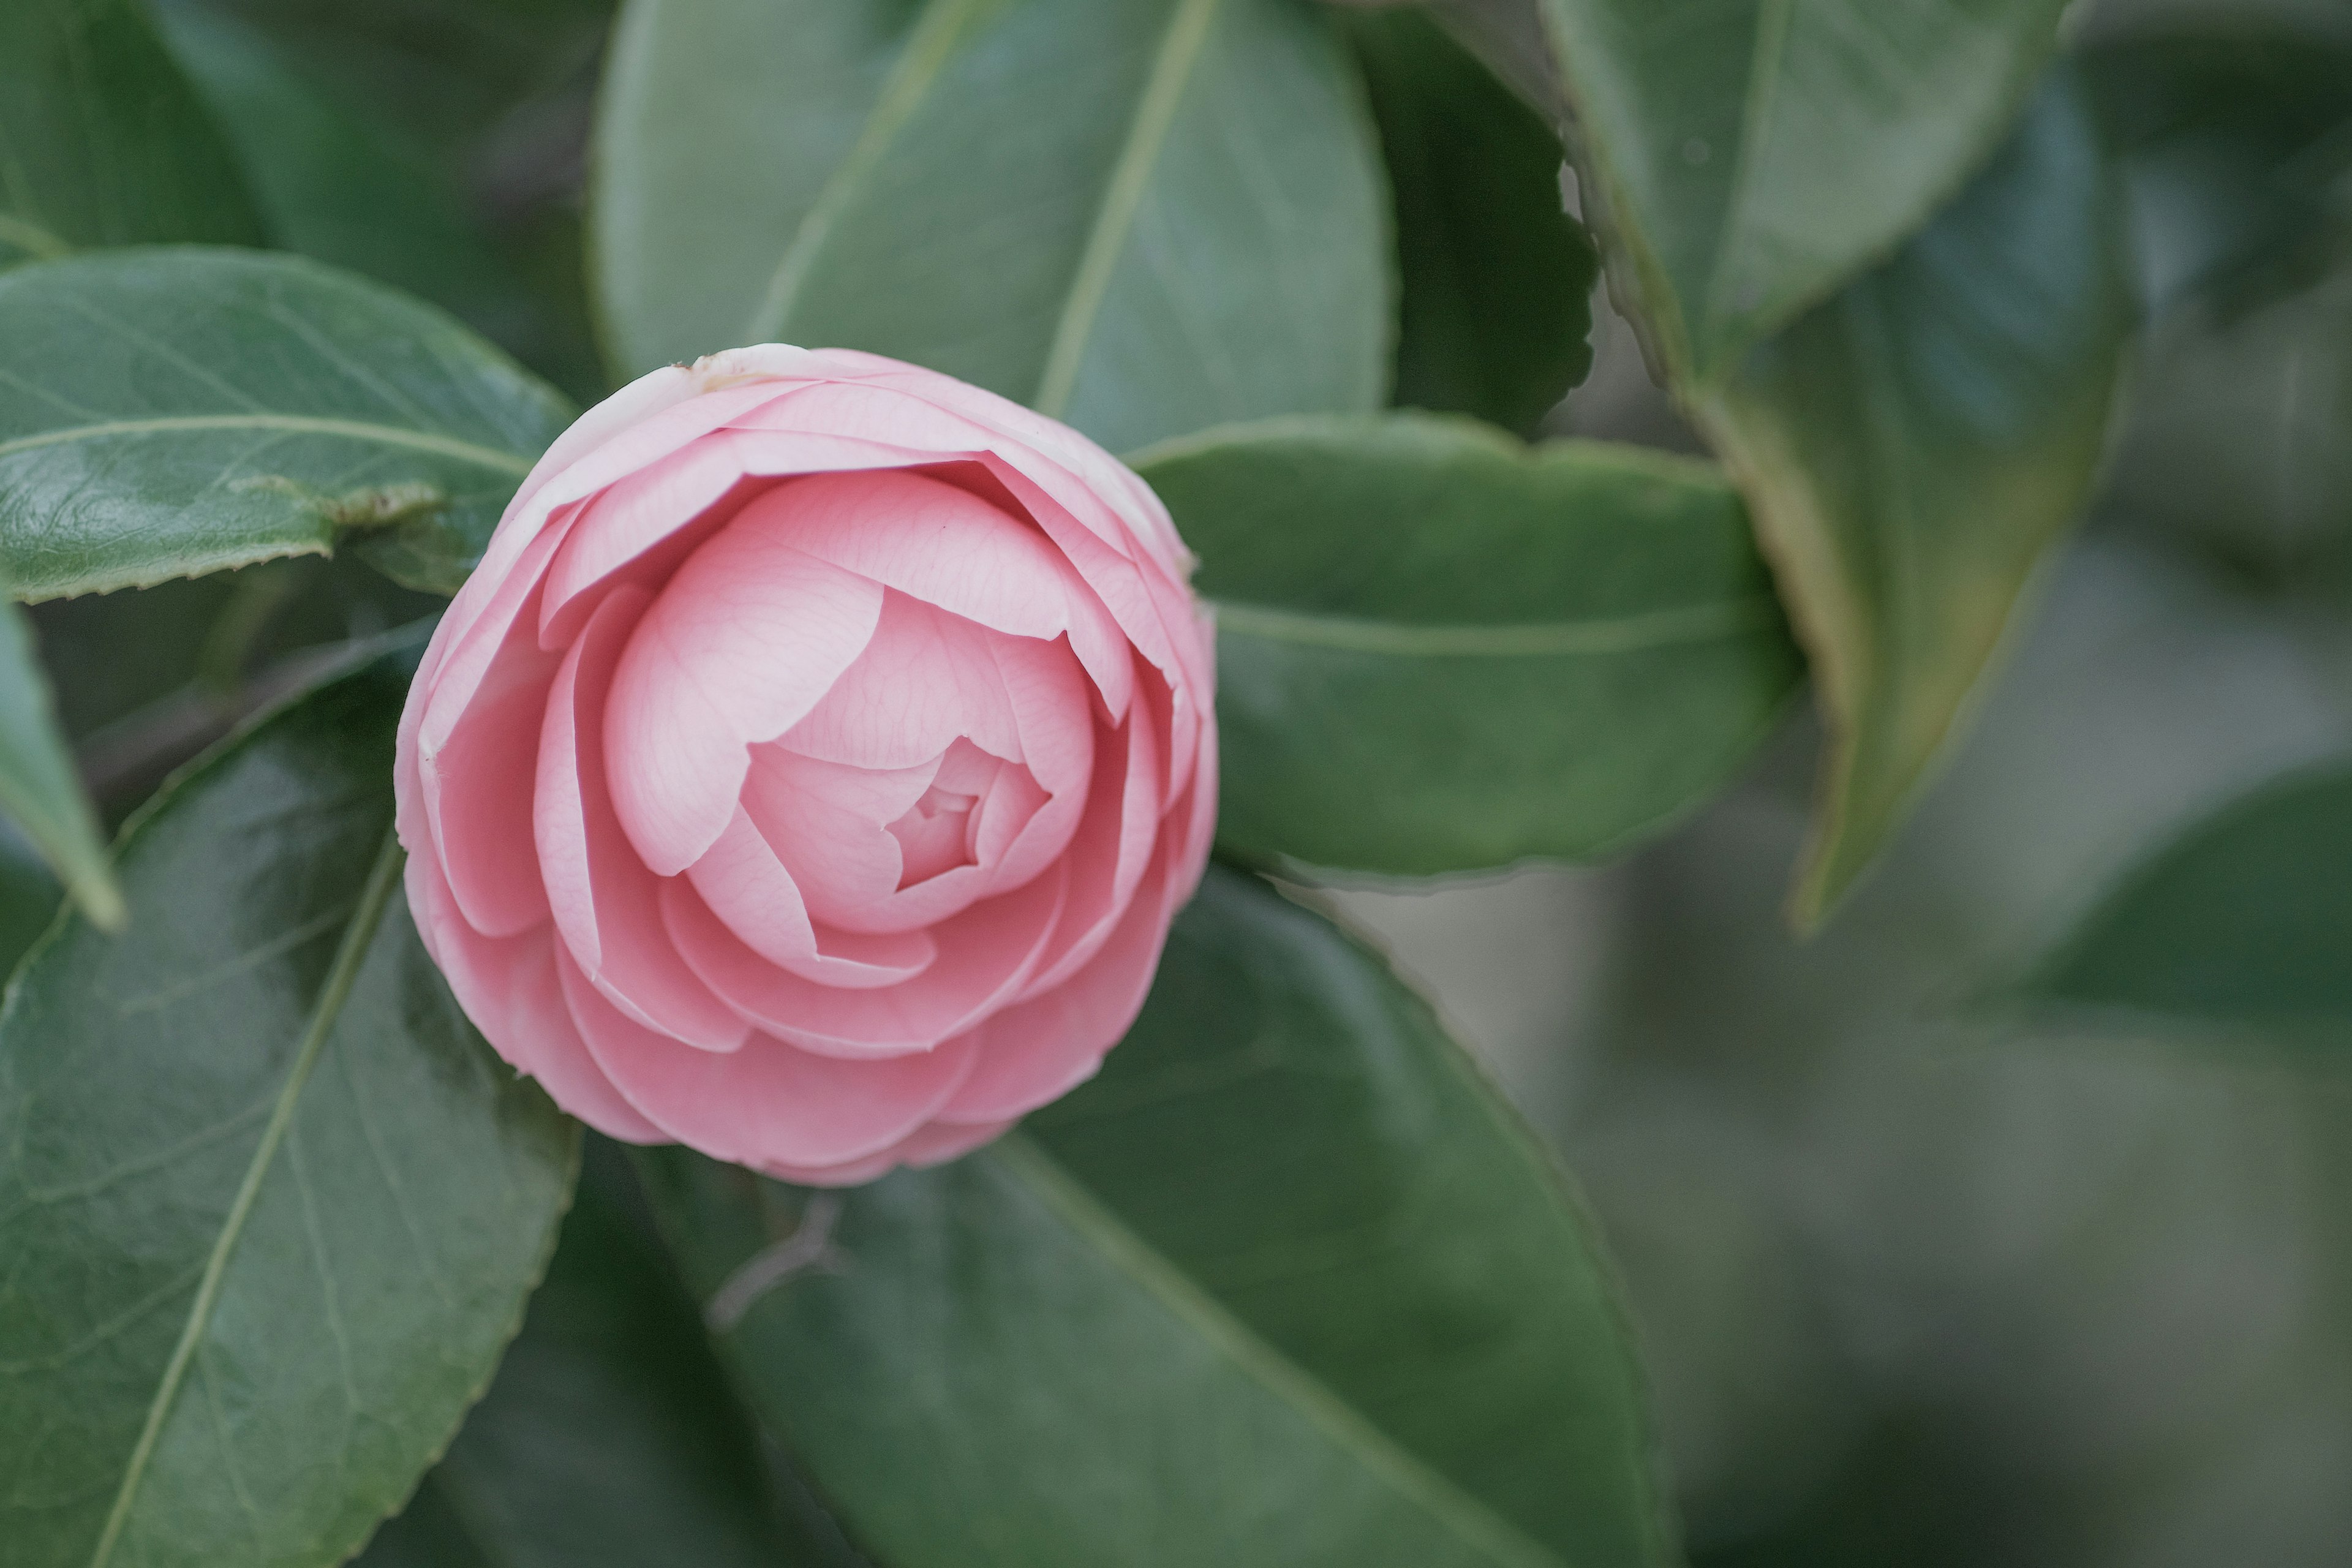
column 167, row 413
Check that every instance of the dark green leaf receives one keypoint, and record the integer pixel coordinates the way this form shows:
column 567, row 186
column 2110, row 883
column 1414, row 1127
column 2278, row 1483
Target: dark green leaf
column 1284, row 1284
column 334, row 186
column 269, row 1206
column 1144, row 217
column 38, row 789
column 166, row 413
column 1749, row 156
column 1439, row 650
column 2244, row 923
column 29, row 896
column 1912, row 448
column 1497, row 278
column 101, row 142
column 610, row 1438
column 2234, row 141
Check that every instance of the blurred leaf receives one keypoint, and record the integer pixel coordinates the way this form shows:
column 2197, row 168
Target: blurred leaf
column 1143, row 216
column 441, row 72
column 1497, row 278
column 1439, row 650
column 39, row 790
column 2241, row 435
column 2244, row 921
column 168, row 412
column 29, row 897
column 2239, row 146
column 1510, row 37
column 106, row 143
column 1911, row 448
column 1747, row 157
column 1284, row 1284
column 609, row 1439
column 334, row 186
column 271, row 1207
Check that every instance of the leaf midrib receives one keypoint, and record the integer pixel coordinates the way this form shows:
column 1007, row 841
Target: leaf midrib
column 1603, row 636
column 1155, row 115
column 1444, row 1502
column 291, row 424
column 929, row 47
column 342, row 975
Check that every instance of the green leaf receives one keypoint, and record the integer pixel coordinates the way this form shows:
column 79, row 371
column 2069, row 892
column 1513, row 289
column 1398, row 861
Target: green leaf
column 2241, row 924
column 610, row 1438
column 1439, row 650
column 104, row 142
column 269, row 1206
column 2233, row 138
column 1497, row 297
column 1284, row 1284
column 335, row 187
column 29, row 897
column 1747, row 157
column 1911, row 449
column 1143, row 216
column 39, row 790
column 168, row 412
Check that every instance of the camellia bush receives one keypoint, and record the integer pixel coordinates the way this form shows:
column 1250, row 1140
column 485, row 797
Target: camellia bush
column 732, row 647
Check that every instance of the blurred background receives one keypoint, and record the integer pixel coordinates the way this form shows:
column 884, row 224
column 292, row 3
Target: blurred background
column 1918, row 1282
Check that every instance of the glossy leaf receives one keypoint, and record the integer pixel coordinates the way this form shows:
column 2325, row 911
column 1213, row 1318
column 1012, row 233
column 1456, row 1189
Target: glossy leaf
column 610, row 1438
column 2243, row 924
column 1143, row 216
column 105, row 143
column 269, row 1206
column 1496, row 277
column 1751, row 156
column 167, row 413
column 39, row 791
column 1911, row 449
column 1354, row 1320
column 1439, row 650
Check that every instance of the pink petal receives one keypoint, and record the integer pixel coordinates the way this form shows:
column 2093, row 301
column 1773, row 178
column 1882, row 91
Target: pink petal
column 747, row 888
column 986, row 955
column 929, row 541
column 767, row 1103
column 1039, row 1050
column 926, row 679
column 745, row 640
column 508, row 988
column 476, row 794
column 934, row 1144
column 604, row 900
column 673, row 501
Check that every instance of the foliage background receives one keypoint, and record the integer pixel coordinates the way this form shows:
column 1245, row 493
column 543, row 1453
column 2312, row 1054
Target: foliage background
column 1920, row 1272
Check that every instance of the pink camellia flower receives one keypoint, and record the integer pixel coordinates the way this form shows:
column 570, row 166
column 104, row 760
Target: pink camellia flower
column 812, row 768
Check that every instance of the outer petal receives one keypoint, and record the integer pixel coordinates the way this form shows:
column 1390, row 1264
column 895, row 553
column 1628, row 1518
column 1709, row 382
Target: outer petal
column 768, row 1103
column 606, row 902
column 935, row 1144
column 508, row 988
column 1040, row 1049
